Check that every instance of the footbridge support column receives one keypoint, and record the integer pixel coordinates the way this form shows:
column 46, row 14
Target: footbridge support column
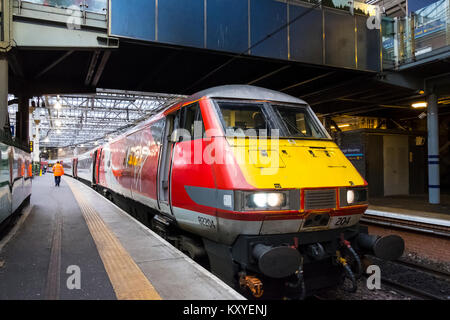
column 433, row 149
column 3, row 93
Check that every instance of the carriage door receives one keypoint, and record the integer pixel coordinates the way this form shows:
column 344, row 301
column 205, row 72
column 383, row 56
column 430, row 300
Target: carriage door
column 165, row 163
column 94, row 161
column 96, row 166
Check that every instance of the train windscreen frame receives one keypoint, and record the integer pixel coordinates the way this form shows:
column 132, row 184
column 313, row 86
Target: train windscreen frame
column 268, row 116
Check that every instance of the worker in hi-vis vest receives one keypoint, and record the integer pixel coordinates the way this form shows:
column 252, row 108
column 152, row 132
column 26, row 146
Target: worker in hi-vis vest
column 58, row 171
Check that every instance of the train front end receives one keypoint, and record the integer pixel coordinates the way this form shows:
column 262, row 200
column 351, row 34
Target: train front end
column 289, row 201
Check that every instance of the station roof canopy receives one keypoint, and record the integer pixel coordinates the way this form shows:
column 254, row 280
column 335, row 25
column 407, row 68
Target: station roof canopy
column 85, row 120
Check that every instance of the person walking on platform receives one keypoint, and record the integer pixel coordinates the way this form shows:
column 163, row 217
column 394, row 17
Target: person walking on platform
column 58, row 171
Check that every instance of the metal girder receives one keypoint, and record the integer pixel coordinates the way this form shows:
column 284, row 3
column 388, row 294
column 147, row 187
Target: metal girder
column 79, row 119
column 402, row 80
column 101, row 67
column 307, row 81
column 268, row 75
column 91, row 69
column 54, row 63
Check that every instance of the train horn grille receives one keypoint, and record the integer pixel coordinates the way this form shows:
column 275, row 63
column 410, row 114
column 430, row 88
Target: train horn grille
column 320, row 199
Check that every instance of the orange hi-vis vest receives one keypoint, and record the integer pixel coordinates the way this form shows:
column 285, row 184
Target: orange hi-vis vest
column 58, row 170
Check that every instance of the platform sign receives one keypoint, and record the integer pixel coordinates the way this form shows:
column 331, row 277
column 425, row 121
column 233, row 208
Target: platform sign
column 414, row 5
column 353, row 152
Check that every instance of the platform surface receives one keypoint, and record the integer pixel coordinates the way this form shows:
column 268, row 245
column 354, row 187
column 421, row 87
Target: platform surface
column 117, row 257
column 415, row 206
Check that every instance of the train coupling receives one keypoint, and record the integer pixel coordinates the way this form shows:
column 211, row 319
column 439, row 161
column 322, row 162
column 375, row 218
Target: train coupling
column 252, row 283
column 389, row 247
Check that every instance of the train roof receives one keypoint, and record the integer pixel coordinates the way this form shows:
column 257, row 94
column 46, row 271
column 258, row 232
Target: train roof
column 232, row 91
column 246, row 92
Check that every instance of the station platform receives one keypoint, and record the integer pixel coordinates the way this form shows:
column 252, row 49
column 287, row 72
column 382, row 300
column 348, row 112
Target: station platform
column 414, row 208
column 72, row 243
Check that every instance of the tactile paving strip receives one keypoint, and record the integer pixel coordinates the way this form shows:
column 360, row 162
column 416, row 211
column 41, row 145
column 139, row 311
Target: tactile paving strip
column 127, row 279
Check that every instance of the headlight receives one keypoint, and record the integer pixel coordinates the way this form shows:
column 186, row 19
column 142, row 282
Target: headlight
column 352, row 196
column 270, row 200
column 275, row 199
column 263, row 200
column 259, row 200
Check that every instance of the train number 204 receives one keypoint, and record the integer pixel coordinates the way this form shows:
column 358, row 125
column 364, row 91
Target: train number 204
column 342, row 221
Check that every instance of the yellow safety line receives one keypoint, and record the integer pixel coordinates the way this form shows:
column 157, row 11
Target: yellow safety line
column 127, row 279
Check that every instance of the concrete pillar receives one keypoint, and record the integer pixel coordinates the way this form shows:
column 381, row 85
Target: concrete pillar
column 433, row 150
column 3, row 93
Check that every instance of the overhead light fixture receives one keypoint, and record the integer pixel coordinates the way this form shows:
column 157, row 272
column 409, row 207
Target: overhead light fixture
column 421, row 104
column 58, row 123
column 57, row 104
column 47, row 140
column 58, row 131
column 341, row 126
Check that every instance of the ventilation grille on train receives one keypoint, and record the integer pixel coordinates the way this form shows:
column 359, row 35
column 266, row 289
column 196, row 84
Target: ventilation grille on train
column 320, row 199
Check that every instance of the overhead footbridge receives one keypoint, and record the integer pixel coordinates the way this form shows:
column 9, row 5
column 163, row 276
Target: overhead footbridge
column 176, row 45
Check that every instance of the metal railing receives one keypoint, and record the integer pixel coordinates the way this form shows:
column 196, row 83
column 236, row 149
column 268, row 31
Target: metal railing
column 96, row 6
column 408, row 39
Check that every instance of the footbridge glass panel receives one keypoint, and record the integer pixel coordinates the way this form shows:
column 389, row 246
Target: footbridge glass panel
column 425, row 29
column 335, row 34
column 97, row 6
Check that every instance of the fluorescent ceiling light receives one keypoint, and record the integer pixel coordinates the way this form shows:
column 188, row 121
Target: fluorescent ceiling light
column 419, row 105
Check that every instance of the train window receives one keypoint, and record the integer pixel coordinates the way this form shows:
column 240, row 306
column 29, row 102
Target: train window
column 191, row 119
column 243, row 116
column 157, row 130
column 298, row 122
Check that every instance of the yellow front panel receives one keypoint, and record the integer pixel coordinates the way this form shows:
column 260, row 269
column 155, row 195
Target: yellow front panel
column 293, row 163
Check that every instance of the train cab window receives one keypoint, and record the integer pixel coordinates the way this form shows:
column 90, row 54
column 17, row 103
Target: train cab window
column 298, row 122
column 192, row 121
column 238, row 117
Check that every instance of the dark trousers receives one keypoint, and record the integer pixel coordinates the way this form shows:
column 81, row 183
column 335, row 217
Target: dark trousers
column 57, row 181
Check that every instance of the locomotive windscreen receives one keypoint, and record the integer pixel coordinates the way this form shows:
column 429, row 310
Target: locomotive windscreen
column 289, row 121
column 298, row 122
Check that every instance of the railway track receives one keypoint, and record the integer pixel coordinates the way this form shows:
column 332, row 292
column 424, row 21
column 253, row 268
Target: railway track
column 416, row 280
column 410, row 291
column 426, row 269
column 422, row 281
